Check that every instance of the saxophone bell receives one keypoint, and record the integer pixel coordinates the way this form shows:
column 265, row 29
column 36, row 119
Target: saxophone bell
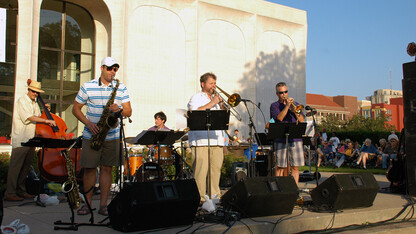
column 70, row 187
column 112, row 119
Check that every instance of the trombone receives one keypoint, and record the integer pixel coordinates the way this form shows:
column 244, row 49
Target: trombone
column 232, row 101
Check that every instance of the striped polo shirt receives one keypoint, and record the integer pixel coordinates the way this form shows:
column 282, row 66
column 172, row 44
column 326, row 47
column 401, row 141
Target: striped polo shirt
column 96, row 96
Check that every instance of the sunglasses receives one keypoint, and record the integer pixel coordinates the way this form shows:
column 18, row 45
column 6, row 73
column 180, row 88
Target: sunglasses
column 33, row 91
column 283, row 92
column 115, row 69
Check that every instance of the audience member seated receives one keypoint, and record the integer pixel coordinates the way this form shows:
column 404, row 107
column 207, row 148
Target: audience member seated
column 390, row 152
column 325, row 152
column 381, row 148
column 349, row 154
column 335, row 140
column 367, row 152
column 340, row 150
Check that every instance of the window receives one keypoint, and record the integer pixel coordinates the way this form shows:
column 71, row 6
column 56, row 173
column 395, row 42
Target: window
column 66, row 55
column 7, row 67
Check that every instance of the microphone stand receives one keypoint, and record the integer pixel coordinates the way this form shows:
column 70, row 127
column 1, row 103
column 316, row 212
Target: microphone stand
column 122, row 146
column 317, row 142
column 251, row 127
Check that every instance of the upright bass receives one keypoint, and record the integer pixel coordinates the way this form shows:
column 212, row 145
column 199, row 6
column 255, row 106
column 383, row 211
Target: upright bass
column 51, row 164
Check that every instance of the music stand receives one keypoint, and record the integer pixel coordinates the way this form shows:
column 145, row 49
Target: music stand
column 151, row 137
column 201, row 120
column 286, row 131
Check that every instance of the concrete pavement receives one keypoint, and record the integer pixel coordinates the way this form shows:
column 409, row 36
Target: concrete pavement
column 385, row 207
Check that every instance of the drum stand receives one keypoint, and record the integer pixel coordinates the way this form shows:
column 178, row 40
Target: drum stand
column 182, row 159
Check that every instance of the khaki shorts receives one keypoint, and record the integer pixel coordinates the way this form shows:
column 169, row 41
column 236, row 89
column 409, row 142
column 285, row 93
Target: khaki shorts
column 108, row 155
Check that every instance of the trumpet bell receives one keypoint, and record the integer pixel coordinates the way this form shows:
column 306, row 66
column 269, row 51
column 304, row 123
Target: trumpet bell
column 299, row 109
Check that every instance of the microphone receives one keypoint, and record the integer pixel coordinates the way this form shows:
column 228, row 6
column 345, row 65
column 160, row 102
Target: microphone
column 259, row 105
column 308, row 108
column 313, row 112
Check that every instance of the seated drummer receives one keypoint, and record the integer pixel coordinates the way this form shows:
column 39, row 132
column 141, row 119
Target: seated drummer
column 160, row 120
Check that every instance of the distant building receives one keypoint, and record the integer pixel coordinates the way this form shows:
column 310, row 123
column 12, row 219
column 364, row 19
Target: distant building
column 343, row 107
column 384, row 96
column 394, row 110
column 364, row 107
column 163, row 47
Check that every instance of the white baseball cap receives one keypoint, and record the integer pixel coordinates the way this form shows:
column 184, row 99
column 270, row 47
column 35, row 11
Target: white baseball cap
column 109, row 62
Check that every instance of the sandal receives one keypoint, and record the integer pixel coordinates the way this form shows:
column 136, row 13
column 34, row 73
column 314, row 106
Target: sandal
column 103, row 211
column 83, row 210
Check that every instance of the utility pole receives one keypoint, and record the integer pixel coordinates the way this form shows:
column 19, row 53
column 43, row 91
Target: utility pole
column 390, row 82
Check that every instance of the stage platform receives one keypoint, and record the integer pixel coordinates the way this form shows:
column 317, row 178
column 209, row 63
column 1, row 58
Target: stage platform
column 386, row 206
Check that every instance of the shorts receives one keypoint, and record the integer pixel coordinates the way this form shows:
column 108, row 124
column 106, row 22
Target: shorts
column 296, row 156
column 108, row 155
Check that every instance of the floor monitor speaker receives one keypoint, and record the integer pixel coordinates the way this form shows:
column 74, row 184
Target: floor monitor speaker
column 151, row 205
column 346, row 191
column 240, row 171
column 262, row 196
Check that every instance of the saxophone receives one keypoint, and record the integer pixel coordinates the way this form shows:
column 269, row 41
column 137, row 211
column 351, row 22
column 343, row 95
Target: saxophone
column 108, row 120
column 70, row 187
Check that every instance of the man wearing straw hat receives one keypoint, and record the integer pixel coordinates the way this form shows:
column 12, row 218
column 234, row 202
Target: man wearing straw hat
column 24, row 125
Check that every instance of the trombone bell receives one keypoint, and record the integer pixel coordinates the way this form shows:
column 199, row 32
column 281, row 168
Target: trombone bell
column 233, row 100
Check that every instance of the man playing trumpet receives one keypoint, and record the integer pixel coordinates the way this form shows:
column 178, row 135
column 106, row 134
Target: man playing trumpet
column 284, row 111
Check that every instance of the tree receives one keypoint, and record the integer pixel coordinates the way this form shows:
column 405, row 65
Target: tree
column 356, row 123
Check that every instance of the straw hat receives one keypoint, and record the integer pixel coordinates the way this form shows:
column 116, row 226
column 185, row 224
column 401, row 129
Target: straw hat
column 35, row 86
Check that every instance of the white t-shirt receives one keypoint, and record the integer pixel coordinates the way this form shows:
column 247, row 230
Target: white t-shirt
column 335, row 141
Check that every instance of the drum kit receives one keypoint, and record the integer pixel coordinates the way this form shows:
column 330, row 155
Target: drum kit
column 156, row 163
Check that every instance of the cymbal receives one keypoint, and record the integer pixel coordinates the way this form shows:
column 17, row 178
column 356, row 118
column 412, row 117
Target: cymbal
column 184, row 138
column 130, row 140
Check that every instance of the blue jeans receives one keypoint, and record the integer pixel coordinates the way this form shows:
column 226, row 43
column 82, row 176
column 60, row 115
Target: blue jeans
column 384, row 159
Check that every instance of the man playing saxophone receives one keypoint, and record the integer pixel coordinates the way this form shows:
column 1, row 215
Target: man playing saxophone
column 284, row 111
column 103, row 96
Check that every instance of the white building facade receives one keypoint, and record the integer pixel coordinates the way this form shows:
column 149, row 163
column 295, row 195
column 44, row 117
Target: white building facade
column 163, row 47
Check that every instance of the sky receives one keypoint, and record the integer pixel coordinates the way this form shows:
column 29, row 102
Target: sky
column 355, row 47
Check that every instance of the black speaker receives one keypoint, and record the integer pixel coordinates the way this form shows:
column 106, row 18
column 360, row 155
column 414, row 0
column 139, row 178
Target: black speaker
column 150, row 205
column 409, row 108
column 409, row 104
column 239, row 171
column 1, row 207
column 262, row 164
column 345, row 191
column 262, row 196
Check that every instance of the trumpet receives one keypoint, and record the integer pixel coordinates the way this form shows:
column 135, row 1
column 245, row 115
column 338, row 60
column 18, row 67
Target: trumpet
column 232, row 101
column 296, row 109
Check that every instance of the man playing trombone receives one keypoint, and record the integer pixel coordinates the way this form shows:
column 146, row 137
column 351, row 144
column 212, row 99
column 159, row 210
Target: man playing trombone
column 285, row 111
column 208, row 98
